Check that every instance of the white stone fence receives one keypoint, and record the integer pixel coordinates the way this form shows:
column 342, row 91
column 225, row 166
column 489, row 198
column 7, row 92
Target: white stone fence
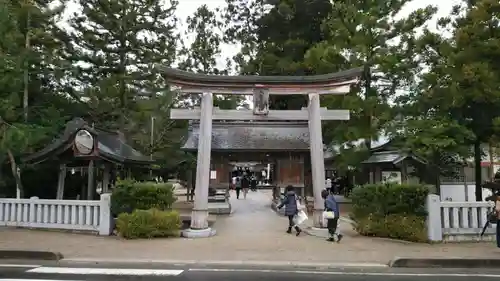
column 458, row 221
column 78, row 215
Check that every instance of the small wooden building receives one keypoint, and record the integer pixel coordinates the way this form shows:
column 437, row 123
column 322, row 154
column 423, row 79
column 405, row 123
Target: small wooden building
column 90, row 158
column 391, row 164
column 284, row 145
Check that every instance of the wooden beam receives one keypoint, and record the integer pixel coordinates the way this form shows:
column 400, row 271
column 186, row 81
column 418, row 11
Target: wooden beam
column 335, row 90
column 277, row 115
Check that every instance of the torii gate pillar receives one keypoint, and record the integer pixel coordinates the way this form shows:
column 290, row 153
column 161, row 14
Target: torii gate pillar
column 317, row 158
column 199, row 216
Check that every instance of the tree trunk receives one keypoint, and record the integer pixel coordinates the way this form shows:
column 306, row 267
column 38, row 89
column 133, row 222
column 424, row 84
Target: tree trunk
column 477, row 170
column 491, row 152
column 27, row 46
column 13, row 167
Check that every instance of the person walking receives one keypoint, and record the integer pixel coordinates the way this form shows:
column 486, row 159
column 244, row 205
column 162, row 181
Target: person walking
column 253, row 183
column 331, row 205
column 245, row 185
column 237, row 187
column 291, row 209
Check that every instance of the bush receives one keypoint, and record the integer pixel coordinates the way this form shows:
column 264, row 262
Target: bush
column 391, row 210
column 131, row 195
column 396, row 226
column 386, row 199
column 148, row 224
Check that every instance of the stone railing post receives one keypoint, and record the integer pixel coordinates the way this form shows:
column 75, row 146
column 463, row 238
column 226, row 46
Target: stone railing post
column 434, row 226
column 106, row 223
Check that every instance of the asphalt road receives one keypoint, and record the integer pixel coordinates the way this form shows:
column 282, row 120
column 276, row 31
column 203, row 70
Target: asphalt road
column 144, row 271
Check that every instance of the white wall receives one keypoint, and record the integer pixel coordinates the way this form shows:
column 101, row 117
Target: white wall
column 459, row 192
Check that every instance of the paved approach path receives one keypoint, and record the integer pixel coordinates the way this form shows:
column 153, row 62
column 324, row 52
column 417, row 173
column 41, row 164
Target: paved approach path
column 252, row 217
column 252, row 233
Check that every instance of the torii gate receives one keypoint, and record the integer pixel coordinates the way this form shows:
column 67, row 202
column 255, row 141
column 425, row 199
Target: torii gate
column 260, row 87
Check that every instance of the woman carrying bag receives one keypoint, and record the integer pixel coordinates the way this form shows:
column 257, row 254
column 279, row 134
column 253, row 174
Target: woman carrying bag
column 291, row 209
column 331, row 215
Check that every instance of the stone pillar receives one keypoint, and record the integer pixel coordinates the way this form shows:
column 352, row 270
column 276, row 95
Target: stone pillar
column 317, row 159
column 199, row 215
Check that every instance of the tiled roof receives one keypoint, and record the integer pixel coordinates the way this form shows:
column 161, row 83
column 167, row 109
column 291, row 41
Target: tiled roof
column 390, row 157
column 278, row 136
column 110, row 145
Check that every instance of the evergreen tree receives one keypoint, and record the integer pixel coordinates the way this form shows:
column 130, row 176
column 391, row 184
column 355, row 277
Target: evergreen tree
column 463, row 81
column 201, row 55
column 28, row 87
column 275, row 36
column 114, row 46
column 367, row 34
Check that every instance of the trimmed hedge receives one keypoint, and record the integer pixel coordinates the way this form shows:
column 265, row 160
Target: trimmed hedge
column 391, row 210
column 129, row 195
column 396, row 226
column 151, row 223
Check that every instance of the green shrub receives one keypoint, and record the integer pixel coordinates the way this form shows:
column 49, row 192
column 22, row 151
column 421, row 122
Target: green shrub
column 148, row 224
column 396, row 226
column 131, row 195
column 390, row 210
column 387, row 199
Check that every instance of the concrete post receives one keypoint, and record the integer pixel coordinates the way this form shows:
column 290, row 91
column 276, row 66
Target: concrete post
column 434, row 228
column 317, row 159
column 199, row 215
column 106, row 222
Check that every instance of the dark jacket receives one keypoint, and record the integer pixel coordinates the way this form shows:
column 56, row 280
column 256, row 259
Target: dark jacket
column 332, row 205
column 290, row 203
column 245, row 183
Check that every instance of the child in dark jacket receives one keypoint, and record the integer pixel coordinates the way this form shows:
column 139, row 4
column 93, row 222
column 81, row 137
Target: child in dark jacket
column 331, row 205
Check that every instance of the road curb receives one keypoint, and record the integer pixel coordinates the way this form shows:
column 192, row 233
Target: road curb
column 444, row 262
column 30, row 255
column 223, row 264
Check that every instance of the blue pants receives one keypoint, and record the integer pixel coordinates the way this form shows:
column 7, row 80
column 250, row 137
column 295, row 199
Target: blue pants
column 498, row 233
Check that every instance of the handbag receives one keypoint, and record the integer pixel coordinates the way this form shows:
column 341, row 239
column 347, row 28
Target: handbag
column 328, row 215
column 300, row 217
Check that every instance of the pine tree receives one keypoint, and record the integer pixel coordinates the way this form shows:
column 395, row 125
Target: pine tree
column 201, row 55
column 463, row 81
column 28, row 71
column 367, row 34
column 275, row 35
column 115, row 46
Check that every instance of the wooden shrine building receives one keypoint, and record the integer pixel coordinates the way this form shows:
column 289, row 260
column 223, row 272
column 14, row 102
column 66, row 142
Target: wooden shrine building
column 88, row 158
column 284, row 145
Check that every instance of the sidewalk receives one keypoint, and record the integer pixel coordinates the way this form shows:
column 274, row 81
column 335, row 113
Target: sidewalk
column 252, row 233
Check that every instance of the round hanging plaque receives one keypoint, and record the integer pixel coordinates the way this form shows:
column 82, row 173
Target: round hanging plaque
column 84, row 142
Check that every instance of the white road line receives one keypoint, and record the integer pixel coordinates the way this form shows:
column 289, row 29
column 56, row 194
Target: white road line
column 19, row 265
column 105, row 271
column 349, row 273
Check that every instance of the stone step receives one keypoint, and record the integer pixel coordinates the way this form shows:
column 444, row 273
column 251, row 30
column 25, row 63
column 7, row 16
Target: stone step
column 219, row 208
column 217, row 198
